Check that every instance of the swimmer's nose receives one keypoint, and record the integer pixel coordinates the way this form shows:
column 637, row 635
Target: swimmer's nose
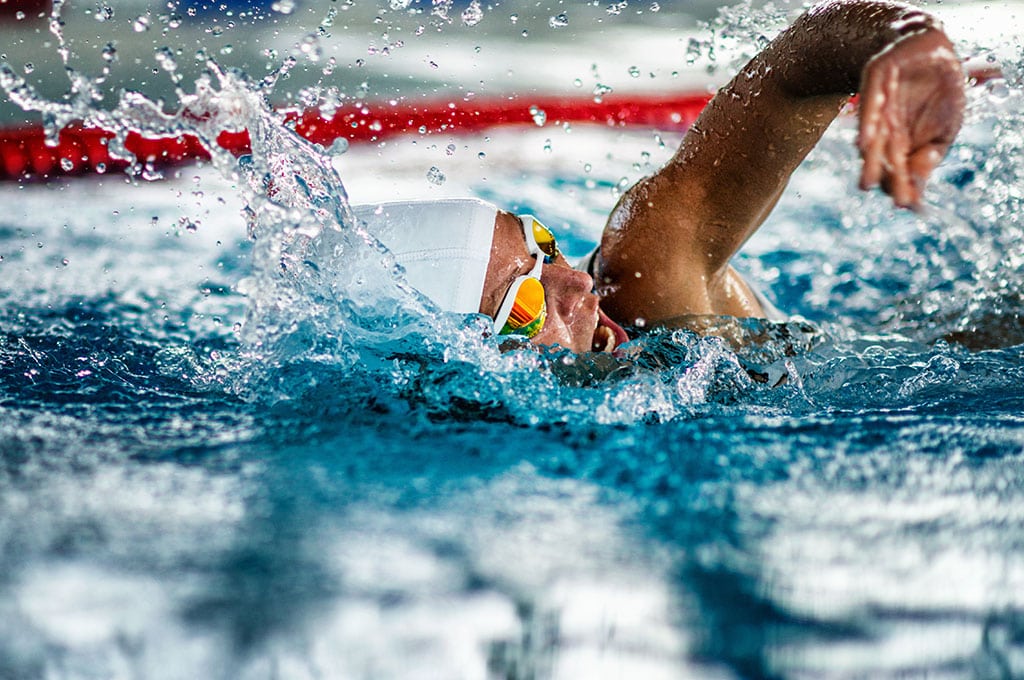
column 564, row 285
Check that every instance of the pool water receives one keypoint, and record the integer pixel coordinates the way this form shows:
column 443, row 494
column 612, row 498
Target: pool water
column 227, row 458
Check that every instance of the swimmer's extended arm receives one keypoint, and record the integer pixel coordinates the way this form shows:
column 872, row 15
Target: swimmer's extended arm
column 666, row 249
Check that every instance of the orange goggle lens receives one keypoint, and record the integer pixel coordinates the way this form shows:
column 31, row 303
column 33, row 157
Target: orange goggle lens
column 529, row 310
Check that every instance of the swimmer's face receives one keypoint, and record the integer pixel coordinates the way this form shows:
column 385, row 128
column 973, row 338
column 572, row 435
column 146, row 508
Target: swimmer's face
column 574, row 319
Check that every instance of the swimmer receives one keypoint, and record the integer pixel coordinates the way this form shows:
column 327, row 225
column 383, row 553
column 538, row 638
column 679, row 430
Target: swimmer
column 666, row 247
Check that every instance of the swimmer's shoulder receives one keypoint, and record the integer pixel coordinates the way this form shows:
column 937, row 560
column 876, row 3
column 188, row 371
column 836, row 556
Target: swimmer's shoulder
column 742, row 299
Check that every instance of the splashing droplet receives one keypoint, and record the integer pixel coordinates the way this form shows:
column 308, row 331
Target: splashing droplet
column 558, row 21
column 338, row 147
column 283, row 6
column 435, row 176
column 472, row 15
column 310, row 48
column 600, row 91
column 539, row 116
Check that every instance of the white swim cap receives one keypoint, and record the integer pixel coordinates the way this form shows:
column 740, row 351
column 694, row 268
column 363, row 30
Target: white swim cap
column 443, row 245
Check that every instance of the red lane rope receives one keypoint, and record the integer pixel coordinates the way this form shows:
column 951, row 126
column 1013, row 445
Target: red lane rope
column 25, row 154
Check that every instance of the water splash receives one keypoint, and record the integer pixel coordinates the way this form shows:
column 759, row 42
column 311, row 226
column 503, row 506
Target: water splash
column 324, row 298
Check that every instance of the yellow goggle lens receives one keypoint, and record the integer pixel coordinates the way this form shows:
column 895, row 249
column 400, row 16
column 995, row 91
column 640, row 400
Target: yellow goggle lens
column 545, row 239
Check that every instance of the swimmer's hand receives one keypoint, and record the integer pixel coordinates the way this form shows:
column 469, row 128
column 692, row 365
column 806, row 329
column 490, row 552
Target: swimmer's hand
column 912, row 103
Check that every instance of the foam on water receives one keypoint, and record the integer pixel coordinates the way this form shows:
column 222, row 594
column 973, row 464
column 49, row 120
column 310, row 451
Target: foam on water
column 234, row 457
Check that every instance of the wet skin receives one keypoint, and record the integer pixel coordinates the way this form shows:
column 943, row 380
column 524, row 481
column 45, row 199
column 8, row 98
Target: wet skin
column 574, row 320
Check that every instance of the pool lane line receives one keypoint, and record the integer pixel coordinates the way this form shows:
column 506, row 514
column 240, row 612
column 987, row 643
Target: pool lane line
column 24, row 153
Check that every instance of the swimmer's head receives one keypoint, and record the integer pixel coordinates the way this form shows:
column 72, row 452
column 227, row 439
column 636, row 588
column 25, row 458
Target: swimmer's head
column 574, row 319
column 467, row 256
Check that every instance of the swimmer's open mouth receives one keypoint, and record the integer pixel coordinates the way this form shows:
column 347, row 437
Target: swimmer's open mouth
column 608, row 335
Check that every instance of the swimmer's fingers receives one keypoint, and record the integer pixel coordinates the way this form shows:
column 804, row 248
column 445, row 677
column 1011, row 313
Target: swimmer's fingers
column 884, row 138
column 873, row 129
column 900, row 183
column 921, row 164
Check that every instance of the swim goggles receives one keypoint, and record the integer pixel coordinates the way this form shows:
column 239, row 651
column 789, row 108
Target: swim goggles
column 524, row 310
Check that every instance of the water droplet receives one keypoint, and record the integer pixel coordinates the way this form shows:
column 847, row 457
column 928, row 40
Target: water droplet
column 338, row 147
column 104, row 13
column 616, row 9
column 547, row 145
column 600, row 91
column 435, row 176
column 283, row 6
column 141, row 24
column 525, row 33
column 450, row 150
column 634, row 72
column 577, row 82
column 67, row 164
column 514, row 18
column 539, row 116
column 109, row 52
column 309, row 46
column 227, row 49
column 165, row 57
column 188, row 225
column 655, row 7
column 19, row 15
column 472, row 15
column 481, row 155
column 558, row 21
column 587, row 167
column 65, row 261
column 29, row 67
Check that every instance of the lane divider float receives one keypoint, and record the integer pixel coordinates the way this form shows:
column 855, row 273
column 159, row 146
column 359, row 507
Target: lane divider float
column 24, row 153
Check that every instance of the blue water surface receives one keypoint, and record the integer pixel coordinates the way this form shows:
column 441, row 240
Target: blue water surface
column 218, row 460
